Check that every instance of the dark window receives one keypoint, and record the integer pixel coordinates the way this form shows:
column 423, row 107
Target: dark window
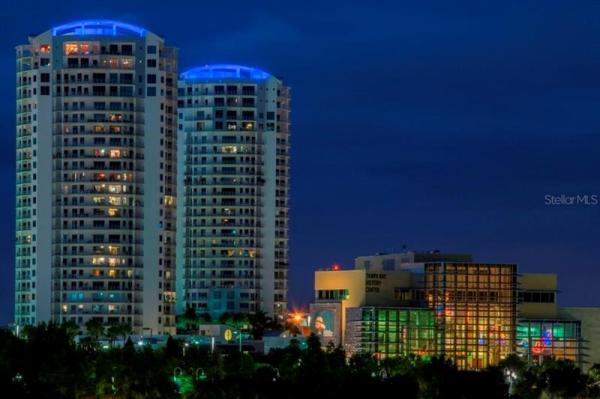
column 99, row 77
column 126, row 78
column 126, row 49
column 125, row 91
column 151, row 50
column 151, row 78
column 151, row 91
column 248, row 90
column 151, row 63
column 45, row 90
column 45, row 77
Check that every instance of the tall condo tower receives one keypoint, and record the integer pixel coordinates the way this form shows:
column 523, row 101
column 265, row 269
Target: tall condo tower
column 96, row 177
column 234, row 185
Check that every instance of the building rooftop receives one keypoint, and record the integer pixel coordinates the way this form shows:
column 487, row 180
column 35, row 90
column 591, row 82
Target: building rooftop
column 224, row 71
column 98, row 27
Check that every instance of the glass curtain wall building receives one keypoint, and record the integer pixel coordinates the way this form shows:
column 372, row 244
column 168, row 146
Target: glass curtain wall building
column 96, row 177
column 234, row 186
column 392, row 332
column 475, row 309
column 540, row 339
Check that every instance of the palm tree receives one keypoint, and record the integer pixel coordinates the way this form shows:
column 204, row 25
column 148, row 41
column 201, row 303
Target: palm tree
column 112, row 332
column 95, row 328
column 71, row 328
column 259, row 322
column 124, row 331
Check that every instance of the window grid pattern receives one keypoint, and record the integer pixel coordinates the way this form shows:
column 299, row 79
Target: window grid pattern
column 475, row 309
column 393, row 332
column 235, row 199
column 541, row 339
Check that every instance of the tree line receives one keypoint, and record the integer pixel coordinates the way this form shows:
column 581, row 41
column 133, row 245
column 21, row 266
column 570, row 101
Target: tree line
column 47, row 363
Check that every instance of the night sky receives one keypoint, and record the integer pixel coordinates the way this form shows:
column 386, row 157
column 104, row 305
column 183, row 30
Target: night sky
column 435, row 126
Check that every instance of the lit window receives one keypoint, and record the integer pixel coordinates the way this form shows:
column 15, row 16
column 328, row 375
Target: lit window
column 117, row 200
column 229, row 149
column 115, row 153
column 71, row 48
column 169, row 200
column 79, row 48
column 113, row 211
column 127, row 63
column 115, row 188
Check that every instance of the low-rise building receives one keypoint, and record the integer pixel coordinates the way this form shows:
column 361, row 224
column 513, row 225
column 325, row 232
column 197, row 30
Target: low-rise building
column 445, row 304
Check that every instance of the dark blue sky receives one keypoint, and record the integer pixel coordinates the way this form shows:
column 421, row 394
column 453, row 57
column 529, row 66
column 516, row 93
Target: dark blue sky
column 439, row 125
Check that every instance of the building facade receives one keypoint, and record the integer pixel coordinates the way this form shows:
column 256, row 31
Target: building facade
column 475, row 309
column 392, row 332
column 234, row 187
column 96, row 177
column 473, row 313
column 588, row 318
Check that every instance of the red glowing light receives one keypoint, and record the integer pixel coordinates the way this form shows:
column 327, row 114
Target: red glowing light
column 336, row 267
column 538, row 348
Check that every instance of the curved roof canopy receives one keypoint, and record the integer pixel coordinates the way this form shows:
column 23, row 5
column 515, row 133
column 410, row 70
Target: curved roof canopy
column 98, row 27
column 224, row 71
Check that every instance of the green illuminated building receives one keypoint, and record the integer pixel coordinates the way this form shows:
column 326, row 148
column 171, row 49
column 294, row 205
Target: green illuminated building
column 475, row 314
column 391, row 332
column 539, row 339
